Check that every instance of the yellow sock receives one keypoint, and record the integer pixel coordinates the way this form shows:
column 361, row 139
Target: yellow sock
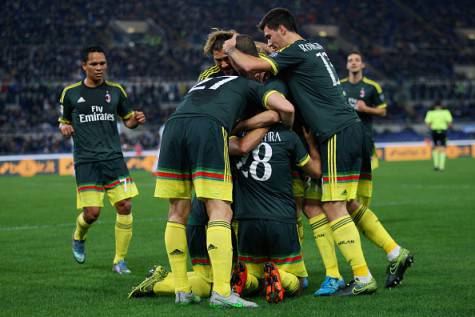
column 326, row 245
column 252, row 283
column 81, row 228
column 177, row 250
column 435, row 158
column 300, row 229
column 442, row 156
column 220, row 251
column 123, row 235
column 199, row 285
column 348, row 240
column 289, row 282
column 369, row 224
column 165, row 286
column 374, row 162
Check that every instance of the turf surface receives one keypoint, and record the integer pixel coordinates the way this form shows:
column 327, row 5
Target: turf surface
column 431, row 213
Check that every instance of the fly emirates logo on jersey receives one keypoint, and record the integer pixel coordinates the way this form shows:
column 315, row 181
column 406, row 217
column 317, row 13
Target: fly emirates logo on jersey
column 96, row 115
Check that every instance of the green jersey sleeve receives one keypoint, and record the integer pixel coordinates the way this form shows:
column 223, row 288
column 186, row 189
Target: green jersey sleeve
column 277, row 85
column 258, row 93
column 284, row 58
column 378, row 97
column 124, row 110
column 299, row 154
column 66, row 108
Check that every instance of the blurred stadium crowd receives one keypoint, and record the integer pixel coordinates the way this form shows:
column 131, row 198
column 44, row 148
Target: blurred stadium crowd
column 412, row 53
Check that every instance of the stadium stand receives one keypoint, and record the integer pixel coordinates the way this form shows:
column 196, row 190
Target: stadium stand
column 410, row 53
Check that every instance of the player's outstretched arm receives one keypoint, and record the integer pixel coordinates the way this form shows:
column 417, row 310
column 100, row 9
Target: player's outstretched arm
column 67, row 130
column 286, row 110
column 260, row 120
column 242, row 146
column 314, row 166
column 135, row 120
column 246, row 62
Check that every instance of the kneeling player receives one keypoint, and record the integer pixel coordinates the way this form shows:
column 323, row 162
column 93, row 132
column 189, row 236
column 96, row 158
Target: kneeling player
column 268, row 243
column 201, row 279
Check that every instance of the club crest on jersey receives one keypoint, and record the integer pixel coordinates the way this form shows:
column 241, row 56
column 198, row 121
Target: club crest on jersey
column 108, row 97
column 362, row 93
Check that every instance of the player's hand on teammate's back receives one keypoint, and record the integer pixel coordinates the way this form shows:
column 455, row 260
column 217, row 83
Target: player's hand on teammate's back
column 66, row 129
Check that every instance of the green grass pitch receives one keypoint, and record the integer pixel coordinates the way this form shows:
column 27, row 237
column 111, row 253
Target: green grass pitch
column 431, row 213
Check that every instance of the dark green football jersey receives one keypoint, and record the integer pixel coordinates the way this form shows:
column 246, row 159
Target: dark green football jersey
column 213, row 71
column 93, row 114
column 370, row 92
column 277, row 84
column 223, row 98
column 262, row 179
column 314, row 86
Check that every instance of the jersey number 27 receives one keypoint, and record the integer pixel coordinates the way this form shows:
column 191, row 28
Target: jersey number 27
column 212, row 83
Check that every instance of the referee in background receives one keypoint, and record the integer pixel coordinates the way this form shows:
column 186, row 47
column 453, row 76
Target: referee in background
column 439, row 120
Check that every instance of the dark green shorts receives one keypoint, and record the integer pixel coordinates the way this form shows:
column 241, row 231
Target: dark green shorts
column 101, row 173
column 194, row 152
column 346, row 159
column 261, row 241
column 96, row 178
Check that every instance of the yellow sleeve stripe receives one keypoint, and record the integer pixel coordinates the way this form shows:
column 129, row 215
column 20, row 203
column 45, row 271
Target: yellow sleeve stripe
column 344, row 80
column 117, row 85
column 304, row 161
column 373, row 83
column 62, row 120
column 272, row 64
column 265, row 99
column 208, row 72
column 283, row 48
column 128, row 116
column 66, row 89
column 383, row 105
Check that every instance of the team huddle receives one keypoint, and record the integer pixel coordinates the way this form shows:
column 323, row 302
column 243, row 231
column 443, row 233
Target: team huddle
column 265, row 135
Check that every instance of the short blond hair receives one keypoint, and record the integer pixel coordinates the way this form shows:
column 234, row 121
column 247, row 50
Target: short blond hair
column 216, row 38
